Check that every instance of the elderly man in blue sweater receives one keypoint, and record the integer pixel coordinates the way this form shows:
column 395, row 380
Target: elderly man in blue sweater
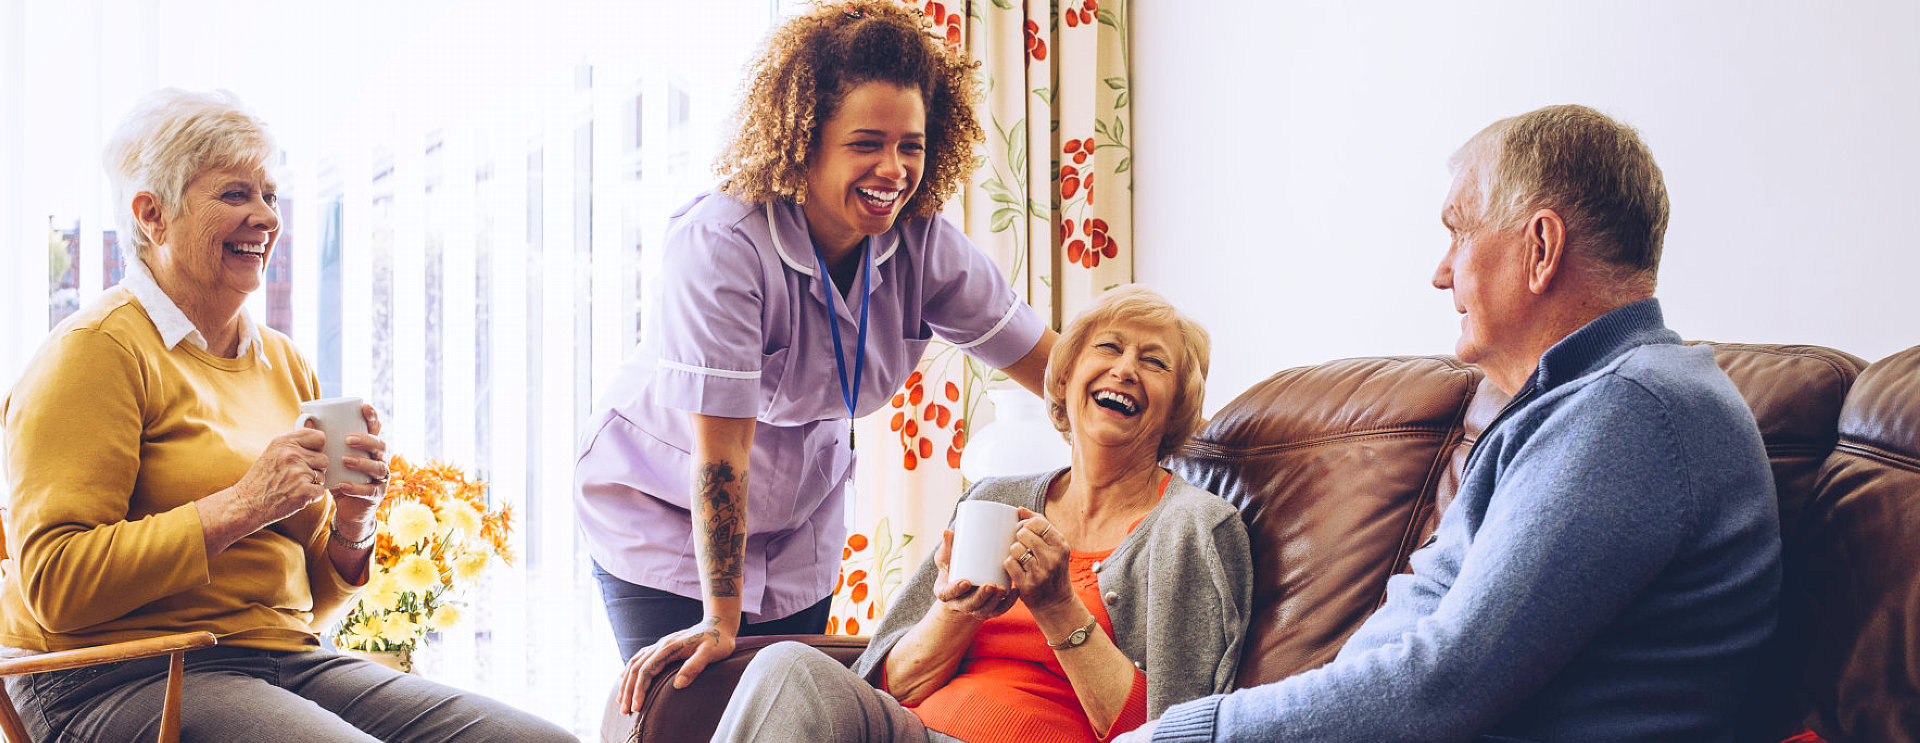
column 1611, row 563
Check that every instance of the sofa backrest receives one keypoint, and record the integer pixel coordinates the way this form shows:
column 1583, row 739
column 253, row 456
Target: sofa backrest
column 1863, row 535
column 1342, row 470
column 1796, row 394
column 1334, row 467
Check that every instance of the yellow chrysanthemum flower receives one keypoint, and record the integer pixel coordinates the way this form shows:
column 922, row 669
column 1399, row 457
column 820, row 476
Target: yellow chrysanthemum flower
column 415, row 573
column 410, row 522
column 460, row 517
column 380, row 593
column 356, row 640
column 468, row 566
column 445, row 616
column 398, row 629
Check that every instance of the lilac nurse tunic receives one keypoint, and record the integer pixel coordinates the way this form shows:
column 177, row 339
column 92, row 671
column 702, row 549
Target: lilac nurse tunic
column 739, row 330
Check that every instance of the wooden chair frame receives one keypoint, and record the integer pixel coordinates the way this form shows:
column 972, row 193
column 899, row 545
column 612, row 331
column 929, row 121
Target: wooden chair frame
column 15, row 730
column 175, row 645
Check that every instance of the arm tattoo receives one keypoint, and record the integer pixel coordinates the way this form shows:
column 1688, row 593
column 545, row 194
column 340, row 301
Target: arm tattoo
column 719, row 502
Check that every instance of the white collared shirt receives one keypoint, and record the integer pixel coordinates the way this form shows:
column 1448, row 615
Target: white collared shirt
column 173, row 324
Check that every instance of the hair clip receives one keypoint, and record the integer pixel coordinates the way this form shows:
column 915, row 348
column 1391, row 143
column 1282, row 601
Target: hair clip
column 854, row 13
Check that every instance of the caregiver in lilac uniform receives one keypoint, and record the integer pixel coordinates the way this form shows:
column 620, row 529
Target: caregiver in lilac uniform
column 710, row 486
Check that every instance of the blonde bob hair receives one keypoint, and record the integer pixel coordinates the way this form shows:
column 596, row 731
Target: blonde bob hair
column 1134, row 303
column 807, row 69
column 170, row 137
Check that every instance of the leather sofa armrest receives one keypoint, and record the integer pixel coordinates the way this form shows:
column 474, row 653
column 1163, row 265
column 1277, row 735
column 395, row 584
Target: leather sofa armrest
column 669, row 714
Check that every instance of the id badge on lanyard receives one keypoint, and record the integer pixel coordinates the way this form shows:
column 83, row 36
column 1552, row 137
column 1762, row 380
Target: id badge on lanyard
column 849, row 393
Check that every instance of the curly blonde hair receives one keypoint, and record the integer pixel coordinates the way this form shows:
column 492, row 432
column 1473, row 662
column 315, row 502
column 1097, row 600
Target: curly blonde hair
column 807, row 69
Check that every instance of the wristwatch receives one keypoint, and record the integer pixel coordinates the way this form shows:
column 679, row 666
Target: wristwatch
column 1077, row 637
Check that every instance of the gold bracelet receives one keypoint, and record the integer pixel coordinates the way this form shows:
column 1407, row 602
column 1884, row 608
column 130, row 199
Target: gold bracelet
column 334, row 528
column 1075, row 638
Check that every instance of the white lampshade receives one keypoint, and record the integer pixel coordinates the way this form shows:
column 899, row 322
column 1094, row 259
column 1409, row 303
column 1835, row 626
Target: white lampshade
column 1019, row 441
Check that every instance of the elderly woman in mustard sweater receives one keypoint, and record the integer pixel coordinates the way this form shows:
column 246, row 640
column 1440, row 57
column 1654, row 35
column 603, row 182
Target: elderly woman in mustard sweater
column 1130, row 588
column 160, row 486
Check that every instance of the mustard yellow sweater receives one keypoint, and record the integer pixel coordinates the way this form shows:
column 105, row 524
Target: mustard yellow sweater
column 110, row 438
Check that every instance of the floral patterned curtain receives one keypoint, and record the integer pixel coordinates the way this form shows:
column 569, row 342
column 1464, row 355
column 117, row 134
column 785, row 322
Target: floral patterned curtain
column 1055, row 107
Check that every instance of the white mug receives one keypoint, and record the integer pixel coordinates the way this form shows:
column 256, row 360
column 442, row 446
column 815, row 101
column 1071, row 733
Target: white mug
column 337, row 417
column 982, row 533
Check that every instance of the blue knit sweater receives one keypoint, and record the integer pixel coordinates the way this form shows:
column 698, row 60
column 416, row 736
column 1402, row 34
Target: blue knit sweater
column 1606, row 573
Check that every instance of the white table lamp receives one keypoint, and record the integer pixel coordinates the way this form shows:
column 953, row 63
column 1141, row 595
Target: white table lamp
column 1019, row 441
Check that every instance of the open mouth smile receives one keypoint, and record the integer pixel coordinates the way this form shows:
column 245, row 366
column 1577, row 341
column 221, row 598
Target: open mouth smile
column 253, row 249
column 1117, row 402
column 879, row 200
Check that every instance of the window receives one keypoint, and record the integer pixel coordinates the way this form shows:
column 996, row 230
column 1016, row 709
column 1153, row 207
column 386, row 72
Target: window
column 468, row 198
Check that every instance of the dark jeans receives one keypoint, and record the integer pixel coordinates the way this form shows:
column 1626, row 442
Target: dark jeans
column 234, row 693
column 641, row 615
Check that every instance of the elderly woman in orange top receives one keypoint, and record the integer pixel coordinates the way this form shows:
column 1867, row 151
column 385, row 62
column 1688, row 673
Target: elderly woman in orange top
column 160, row 486
column 1130, row 587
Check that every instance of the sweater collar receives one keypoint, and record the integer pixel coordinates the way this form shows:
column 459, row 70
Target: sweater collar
column 1599, row 342
column 172, row 323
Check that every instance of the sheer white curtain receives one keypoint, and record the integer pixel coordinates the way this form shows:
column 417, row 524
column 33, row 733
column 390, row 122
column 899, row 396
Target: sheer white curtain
column 470, row 195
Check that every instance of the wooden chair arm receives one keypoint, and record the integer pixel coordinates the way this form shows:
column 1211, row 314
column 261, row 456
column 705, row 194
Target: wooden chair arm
column 61, row 660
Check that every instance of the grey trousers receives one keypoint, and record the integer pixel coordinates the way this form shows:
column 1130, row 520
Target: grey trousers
column 236, row 694
column 792, row 692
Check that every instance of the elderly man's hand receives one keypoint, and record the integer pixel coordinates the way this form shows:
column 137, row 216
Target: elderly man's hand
column 962, row 597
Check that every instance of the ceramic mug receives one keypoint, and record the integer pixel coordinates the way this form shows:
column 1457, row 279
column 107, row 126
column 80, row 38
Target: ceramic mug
column 982, row 533
column 338, row 418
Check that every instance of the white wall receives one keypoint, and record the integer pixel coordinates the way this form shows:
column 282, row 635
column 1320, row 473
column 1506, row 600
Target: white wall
column 1291, row 160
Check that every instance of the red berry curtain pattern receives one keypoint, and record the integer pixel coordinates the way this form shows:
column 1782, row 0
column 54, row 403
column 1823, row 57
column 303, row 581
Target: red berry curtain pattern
column 1052, row 202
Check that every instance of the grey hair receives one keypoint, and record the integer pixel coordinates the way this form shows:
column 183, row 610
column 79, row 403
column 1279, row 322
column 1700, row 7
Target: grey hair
column 1594, row 171
column 171, row 136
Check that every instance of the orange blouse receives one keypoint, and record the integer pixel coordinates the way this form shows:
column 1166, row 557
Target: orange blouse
column 1010, row 687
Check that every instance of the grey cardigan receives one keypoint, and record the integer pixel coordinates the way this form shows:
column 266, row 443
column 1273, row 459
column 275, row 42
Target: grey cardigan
column 1178, row 589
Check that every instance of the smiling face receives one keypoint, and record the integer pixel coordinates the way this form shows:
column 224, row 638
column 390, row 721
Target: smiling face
column 1121, row 387
column 218, row 244
column 865, row 165
column 1485, row 268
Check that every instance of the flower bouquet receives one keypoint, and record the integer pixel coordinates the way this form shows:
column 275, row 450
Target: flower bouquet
column 437, row 536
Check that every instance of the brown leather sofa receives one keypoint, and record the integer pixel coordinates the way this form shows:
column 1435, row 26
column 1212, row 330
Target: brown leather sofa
column 1342, row 470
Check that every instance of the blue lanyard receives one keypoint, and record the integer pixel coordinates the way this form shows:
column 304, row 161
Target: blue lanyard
column 848, row 394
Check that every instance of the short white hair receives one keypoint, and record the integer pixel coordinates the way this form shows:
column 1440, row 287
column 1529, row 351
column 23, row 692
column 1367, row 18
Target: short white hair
column 170, row 137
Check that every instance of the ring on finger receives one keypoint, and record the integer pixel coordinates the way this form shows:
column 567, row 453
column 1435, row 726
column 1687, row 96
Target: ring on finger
column 1046, row 531
column 1026, row 558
